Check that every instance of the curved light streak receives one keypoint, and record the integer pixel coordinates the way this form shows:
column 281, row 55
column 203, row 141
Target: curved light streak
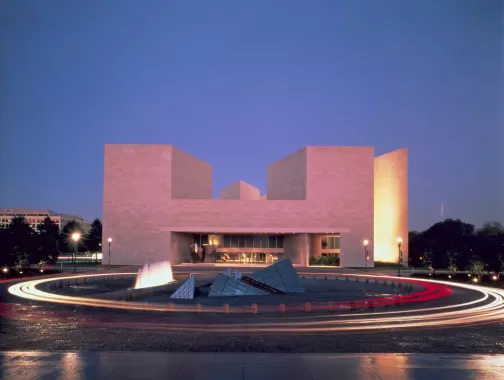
column 489, row 307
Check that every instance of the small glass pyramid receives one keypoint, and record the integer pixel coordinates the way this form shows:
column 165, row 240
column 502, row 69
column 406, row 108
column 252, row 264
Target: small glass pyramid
column 186, row 290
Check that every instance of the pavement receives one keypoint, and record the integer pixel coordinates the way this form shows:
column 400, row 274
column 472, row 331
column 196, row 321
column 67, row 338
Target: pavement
column 20, row 365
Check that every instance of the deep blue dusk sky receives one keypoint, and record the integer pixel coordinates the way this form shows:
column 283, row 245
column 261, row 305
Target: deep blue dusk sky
column 241, row 84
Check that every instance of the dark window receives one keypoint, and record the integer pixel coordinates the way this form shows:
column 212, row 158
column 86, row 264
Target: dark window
column 241, row 241
column 323, row 242
column 257, row 241
column 196, row 239
column 234, row 241
column 272, row 241
column 280, row 239
column 227, row 241
column 264, row 241
column 249, row 241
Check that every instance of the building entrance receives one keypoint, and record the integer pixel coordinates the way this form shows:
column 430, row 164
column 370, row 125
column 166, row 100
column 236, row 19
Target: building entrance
column 246, row 257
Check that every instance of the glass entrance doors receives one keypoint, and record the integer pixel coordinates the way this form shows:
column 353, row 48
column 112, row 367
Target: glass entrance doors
column 246, row 257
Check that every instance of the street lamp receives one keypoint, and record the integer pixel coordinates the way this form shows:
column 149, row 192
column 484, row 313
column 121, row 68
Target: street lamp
column 399, row 260
column 4, row 271
column 96, row 257
column 366, row 257
column 75, row 237
column 109, row 244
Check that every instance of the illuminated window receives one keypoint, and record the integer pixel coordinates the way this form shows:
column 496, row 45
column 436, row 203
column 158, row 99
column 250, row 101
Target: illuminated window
column 330, row 242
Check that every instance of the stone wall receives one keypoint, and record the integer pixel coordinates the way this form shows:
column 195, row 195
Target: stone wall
column 286, row 178
column 136, row 202
column 340, row 181
column 240, row 190
column 191, row 177
column 296, row 248
column 391, row 205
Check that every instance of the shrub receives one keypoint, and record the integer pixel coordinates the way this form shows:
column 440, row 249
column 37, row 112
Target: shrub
column 325, row 260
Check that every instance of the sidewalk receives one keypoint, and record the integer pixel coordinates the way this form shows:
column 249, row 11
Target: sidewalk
column 20, row 365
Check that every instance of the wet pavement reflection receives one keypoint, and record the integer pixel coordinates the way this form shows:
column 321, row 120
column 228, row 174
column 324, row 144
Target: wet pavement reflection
column 20, row 365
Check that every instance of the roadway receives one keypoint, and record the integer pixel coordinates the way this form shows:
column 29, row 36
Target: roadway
column 461, row 329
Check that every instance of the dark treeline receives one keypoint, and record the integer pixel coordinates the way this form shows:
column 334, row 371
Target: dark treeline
column 457, row 246
column 20, row 245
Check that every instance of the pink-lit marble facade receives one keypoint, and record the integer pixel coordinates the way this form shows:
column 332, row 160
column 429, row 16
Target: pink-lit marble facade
column 154, row 195
column 286, row 178
column 240, row 190
column 340, row 178
column 191, row 178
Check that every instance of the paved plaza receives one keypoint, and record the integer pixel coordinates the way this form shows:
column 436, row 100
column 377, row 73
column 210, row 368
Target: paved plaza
column 149, row 366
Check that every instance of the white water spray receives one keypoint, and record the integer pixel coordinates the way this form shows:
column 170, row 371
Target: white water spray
column 154, row 274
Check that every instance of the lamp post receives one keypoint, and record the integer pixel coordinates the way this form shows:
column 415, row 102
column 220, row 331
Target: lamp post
column 399, row 260
column 75, row 237
column 109, row 244
column 366, row 257
column 96, row 257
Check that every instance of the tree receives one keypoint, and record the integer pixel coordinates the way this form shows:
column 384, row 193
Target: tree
column 94, row 237
column 450, row 228
column 491, row 229
column 452, row 261
column 428, row 260
column 501, row 262
column 66, row 244
column 453, row 244
column 21, row 237
column 477, row 267
column 451, row 234
column 416, row 245
column 48, row 235
column 6, row 257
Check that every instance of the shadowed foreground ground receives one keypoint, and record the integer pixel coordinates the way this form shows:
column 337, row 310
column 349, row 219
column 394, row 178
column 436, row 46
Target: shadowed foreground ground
column 74, row 335
column 246, row 366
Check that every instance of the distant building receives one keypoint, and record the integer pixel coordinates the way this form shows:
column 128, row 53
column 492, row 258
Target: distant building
column 36, row 217
column 320, row 201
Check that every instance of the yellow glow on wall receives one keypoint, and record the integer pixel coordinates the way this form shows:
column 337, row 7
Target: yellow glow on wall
column 386, row 229
column 214, row 240
column 390, row 208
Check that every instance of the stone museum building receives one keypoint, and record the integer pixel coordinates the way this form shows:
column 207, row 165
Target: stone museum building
column 320, row 200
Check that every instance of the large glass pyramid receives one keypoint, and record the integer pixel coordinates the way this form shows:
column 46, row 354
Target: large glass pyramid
column 281, row 276
column 186, row 290
column 228, row 286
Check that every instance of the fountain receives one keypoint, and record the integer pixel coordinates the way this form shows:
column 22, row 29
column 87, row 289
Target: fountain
column 154, row 274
